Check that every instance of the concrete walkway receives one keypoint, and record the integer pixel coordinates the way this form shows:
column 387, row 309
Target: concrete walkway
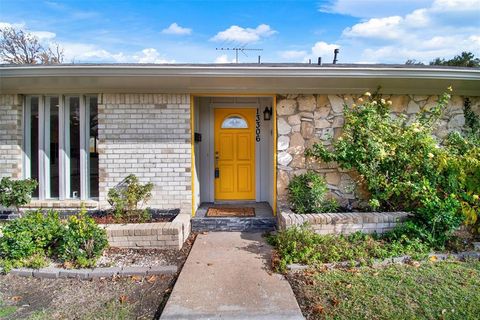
column 227, row 276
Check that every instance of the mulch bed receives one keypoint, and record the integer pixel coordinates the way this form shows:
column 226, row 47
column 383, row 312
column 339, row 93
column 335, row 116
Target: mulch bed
column 104, row 298
column 109, row 219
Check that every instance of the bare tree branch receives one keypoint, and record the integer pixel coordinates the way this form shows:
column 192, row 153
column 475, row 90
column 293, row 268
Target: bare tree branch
column 19, row 47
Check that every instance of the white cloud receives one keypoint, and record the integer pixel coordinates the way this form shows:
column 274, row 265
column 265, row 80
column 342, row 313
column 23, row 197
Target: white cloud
column 293, row 54
column 373, row 8
column 175, row 29
column 443, row 29
column 43, row 35
column 386, row 28
column 244, row 35
column 150, row 55
column 223, row 59
column 323, row 49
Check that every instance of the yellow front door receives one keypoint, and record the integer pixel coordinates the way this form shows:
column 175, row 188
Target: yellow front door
column 234, row 154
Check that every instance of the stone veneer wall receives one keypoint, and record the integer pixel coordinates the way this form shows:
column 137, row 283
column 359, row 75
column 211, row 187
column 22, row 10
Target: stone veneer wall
column 306, row 119
column 147, row 135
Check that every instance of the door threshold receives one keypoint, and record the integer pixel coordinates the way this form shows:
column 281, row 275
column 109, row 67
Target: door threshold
column 236, row 202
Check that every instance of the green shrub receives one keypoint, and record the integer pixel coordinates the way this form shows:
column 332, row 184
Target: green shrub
column 16, row 193
column 81, row 241
column 29, row 241
column 127, row 195
column 306, row 194
column 302, row 245
column 31, row 234
column 405, row 168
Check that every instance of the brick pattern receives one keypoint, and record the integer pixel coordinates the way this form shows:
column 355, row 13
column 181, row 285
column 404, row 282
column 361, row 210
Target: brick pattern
column 11, row 136
column 147, row 135
column 165, row 235
column 343, row 222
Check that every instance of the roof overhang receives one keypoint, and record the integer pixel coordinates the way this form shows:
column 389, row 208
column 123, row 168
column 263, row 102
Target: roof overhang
column 235, row 79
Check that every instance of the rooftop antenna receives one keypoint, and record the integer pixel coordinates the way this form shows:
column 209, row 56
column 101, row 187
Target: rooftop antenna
column 242, row 50
column 335, row 53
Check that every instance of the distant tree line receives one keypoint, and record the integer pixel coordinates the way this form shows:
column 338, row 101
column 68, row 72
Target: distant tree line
column 465, row 59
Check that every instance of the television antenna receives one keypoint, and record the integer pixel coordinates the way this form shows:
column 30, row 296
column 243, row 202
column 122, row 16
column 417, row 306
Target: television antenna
column 242, row 50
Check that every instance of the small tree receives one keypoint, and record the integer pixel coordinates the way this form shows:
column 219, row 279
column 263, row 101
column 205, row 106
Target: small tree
column 20, row 47
column 16, row 193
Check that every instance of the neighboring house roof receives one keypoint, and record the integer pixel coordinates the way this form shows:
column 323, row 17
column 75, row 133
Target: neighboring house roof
column 265, row 78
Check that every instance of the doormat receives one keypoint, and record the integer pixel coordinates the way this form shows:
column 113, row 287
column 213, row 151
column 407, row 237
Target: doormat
column 230, row 212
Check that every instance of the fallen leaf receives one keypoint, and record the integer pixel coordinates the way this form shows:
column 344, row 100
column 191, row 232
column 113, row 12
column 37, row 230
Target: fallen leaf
column 16, row 298
column 349, row 285
column 123, row 299
column 136, row 278
column 209, row 264
column 152, row 279
column 167, row 290
column 318, row 309
column 335, row 302
column 433, row 258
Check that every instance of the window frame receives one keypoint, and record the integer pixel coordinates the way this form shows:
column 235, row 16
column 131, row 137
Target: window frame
column 63, row 147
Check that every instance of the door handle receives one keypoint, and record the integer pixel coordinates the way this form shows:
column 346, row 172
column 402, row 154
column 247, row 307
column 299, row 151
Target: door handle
column 217, row 170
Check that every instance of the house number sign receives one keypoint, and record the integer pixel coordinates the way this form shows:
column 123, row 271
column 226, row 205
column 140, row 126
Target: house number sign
column 257, row 127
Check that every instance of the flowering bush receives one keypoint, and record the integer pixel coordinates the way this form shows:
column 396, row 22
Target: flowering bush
column 404, row 167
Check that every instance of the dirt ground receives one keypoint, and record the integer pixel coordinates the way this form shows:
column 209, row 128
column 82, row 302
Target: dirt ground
column 105, row 298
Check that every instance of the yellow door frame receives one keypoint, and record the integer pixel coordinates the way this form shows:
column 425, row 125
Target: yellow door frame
column 192, row 142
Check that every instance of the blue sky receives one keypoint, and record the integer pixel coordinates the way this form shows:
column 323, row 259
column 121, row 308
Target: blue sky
column 366, row 31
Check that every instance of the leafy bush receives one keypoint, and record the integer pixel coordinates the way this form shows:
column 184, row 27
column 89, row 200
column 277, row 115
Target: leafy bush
column 29, row 241
column 127, row 195
column 302, row 245
column 81, row 241
column 306, row 194
column 16, row 193
column 405, row 168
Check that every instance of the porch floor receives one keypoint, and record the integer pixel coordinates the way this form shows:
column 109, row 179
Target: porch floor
column 263, row 220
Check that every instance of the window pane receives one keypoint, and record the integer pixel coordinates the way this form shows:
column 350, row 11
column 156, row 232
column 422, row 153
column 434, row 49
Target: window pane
column 234, row 122
column 34, row 136
column 74, row 103
column 54, row 170
column 93, row 151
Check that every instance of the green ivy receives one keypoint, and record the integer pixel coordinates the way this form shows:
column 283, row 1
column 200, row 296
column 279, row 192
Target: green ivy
column 404, row 167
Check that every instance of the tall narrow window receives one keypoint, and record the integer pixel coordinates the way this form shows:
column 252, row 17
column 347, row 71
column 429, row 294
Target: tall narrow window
column 74, row 154
column 53, row 144
column 60, row 146
column 34, row 136
column 92, row 146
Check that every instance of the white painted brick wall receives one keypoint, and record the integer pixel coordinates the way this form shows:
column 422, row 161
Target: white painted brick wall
column 147, row 135
column 10, row 136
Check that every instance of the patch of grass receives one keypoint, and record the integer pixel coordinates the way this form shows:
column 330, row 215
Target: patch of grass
column 302, row 245
column 5, row 311
column 441, row 290
column 113, row 310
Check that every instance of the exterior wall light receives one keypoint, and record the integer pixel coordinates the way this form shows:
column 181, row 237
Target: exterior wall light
column 267, row 113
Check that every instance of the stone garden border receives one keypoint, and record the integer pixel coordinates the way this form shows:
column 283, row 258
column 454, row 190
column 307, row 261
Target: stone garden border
column 158, row 235
column 341, row 222
column 461, row 256
column 84, row 274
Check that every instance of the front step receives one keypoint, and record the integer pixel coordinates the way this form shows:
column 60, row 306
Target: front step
column 233, row 224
